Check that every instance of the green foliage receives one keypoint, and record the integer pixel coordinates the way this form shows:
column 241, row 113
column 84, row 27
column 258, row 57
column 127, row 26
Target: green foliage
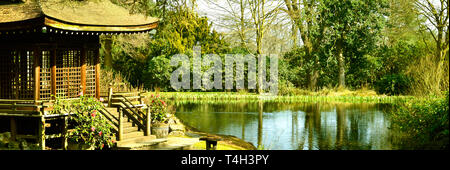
column 293, row 67
column 396, row 57
column 181, row 30
column 391, row 77
column 6, row 143
column 355, row 26
column 425, row 121
column 178, row 32
column 158, row 72
column 393, row 84
column 89, row 126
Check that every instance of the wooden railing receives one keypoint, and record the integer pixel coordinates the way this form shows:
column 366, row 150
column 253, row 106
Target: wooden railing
column 21, row 107
column 113, row 120
column 134, row 113
column 130, row 105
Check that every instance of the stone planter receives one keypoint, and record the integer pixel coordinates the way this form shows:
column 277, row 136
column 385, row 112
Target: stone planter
column 160, row 130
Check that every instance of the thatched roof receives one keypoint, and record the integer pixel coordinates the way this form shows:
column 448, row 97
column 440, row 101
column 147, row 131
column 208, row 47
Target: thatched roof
column 86, row 15
column 12, row 12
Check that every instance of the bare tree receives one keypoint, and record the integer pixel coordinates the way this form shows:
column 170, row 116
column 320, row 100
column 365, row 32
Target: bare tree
column 437, row 15
column 263, row 13
column 233, row 17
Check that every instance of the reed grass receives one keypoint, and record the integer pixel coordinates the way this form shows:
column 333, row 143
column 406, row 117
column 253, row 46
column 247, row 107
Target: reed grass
column 230, row 97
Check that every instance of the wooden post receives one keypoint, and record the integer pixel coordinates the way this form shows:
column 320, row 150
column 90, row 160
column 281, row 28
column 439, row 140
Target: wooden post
column 120, row 124
column 53, row 72
column 97, row 74
column 37, row 74
column 110, row 93
column 83, row 70
column 41, row 133
column 148, row 123
column 64, row 132
column 13, row 128
column 140, row 98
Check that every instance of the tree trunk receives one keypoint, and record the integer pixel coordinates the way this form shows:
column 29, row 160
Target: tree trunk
column 341, row 63
column 259, row 44
column 313, row 79
column 294, row 34
column 439, row 44
column 108, row 55
column 242, row 25
column 313, row 75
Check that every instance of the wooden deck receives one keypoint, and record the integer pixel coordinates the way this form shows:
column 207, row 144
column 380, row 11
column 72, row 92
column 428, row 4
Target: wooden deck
column 125, row 111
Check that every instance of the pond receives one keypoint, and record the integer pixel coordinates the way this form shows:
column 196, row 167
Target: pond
column 295, row 126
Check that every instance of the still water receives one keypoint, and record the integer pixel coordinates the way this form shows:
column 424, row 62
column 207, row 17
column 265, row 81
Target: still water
column 295, row 126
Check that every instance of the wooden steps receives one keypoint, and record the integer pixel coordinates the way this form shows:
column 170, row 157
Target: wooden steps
column 133, row 138
column 129, row 131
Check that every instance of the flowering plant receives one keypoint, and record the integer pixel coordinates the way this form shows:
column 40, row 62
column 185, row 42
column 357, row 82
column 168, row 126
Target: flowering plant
column 89, row 126
column 158, row 109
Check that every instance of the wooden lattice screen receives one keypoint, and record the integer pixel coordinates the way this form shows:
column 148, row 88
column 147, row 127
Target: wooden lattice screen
column 45, row 77
column 68, row 73
column 17, row 74
column 90, row 72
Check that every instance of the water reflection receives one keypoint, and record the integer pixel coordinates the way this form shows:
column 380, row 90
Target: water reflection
column 291, row 126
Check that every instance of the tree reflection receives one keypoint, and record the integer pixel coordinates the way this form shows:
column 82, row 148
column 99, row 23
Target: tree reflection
column 340, row 127
column 260, row 123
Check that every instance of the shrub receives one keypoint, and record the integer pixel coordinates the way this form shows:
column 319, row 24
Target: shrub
column 425, row 122
column 158, row 72
column 89, row 126
column 158, row 109
column 393, row 84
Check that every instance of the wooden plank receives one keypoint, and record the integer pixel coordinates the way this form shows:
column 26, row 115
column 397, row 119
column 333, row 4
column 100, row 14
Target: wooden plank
column 97, row 74
column 41, row 133
column 4, row 112
column 26, row 136
column 53, row 73
column 18, row 101
column 17, row 115
column 110, row 93
column 37, row 73
column 148, row 121
column 83, row 69
column 118, row 97
column 20, row 105
column 13, row 128
column 120, row 135
column 64, row 132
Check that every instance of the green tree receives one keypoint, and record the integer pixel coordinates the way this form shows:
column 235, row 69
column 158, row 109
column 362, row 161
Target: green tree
column 354, row 28
column 180, row 29
column 305, row 15
column 158, row 72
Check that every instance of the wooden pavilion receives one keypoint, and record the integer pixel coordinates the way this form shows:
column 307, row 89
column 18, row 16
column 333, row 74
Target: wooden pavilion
column 51, row 48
